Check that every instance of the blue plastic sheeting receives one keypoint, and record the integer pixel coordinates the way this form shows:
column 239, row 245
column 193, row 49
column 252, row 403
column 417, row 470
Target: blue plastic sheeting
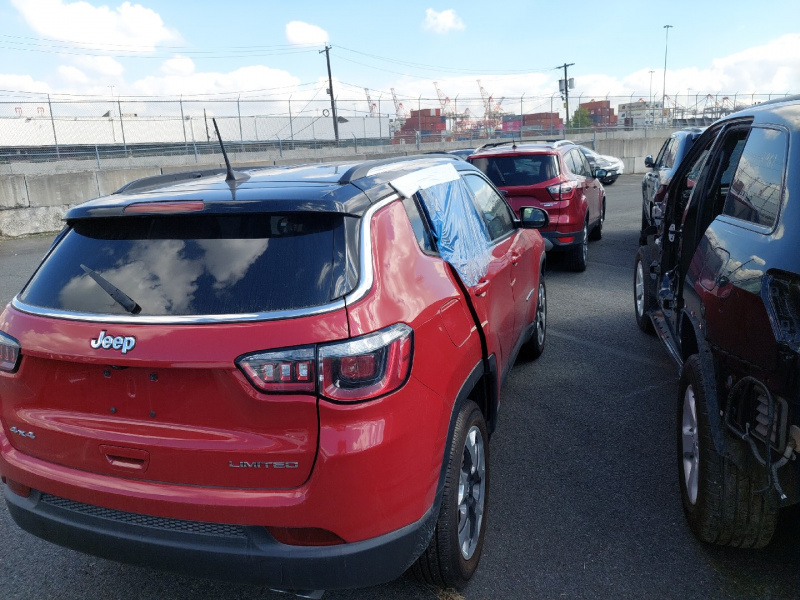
column 461, row 234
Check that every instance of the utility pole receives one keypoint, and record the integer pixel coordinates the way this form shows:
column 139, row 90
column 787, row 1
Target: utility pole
column 664, row 86
column 566, row 88
column 330, row 92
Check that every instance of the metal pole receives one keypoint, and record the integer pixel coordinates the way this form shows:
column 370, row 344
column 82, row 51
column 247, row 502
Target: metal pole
column 122, row 126
column 291, row 126
column 194, row 142
column 183, row 123
column 239, row 111
column 664, row 94
column 330, row 92
column 380, row 125
column 53, row 123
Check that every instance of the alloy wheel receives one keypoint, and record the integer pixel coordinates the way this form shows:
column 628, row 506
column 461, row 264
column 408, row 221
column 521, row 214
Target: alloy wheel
column 541, row 314
column 690, row 445
column 471, row 492
column 639, row 289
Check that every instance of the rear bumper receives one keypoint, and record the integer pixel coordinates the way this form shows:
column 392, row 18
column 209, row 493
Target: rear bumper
column 219, row 551
column 563, row 241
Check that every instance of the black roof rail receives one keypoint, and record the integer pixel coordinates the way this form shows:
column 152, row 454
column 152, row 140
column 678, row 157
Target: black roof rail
column 162, row 180
column 362, row 169
column 518, row 141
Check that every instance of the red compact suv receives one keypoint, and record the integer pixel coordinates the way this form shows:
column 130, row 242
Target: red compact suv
column 557, row 178
column 286, row 376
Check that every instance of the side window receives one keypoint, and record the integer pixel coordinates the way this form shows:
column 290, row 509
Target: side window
column 585, row 168
column 420, row 227
column 669, row 153
column 754, row 192
column 569, row 162
column 660, row 158
column 492, row 206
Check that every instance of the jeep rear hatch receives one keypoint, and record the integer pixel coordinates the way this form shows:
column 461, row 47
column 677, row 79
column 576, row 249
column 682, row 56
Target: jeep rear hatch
column 156, row 393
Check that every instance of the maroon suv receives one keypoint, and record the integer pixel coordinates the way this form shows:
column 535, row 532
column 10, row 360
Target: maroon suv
column 287, row 376
column 557, row 178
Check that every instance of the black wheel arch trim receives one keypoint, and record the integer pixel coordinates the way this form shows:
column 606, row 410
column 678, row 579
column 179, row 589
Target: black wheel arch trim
column 722, row 443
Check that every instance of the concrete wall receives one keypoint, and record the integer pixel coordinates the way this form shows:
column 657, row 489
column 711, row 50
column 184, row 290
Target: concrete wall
column 34, row 203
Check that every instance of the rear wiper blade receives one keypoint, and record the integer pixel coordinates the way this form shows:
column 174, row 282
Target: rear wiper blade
column 120, row 297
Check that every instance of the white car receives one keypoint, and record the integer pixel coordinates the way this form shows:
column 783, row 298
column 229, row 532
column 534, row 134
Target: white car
column 613, row 166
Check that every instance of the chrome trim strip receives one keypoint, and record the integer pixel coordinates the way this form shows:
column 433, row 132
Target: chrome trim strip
column 176, row 320
column 366, row 270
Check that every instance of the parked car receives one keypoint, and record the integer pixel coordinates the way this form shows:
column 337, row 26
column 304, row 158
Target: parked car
column 663, row 167
column 463, row 153
column 719, row 279
column 241, row 377
column 613, row 166
column 557, row 178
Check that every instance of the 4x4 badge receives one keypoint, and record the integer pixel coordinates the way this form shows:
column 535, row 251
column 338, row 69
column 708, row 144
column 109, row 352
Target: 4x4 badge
column 125, row 344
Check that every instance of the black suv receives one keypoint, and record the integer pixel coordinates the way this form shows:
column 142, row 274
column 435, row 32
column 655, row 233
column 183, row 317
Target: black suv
column 719, row 279
column 663, row 168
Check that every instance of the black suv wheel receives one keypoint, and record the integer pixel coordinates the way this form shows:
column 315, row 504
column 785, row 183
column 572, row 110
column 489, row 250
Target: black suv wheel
column 723, row 504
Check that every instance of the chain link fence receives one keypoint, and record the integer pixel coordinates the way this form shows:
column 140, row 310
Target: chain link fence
column 107, row 134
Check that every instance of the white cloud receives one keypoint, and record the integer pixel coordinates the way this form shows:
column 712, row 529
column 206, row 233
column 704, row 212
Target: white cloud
column 193, row 83
column 72, row 75
column 299, row 33
column 103, row 65
column 180, row 66
column 442, row 22
column 133, row 26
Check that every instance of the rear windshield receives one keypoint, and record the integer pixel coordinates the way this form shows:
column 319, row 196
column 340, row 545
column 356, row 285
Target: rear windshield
column 192, row 265
column 518, row 170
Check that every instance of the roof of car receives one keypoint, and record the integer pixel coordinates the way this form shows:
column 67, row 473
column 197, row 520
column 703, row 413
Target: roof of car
column 347, row 188
column 503, row 148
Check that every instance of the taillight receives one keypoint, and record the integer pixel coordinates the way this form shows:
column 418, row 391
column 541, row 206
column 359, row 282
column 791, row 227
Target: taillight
column 281, row 371
column 561, row 191
column 366, row 367
column 9, row 353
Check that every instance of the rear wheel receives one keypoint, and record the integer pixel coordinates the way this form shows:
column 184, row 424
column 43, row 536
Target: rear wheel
column 642, row 292
column 597, row 232
column 455, row 549
column 579, row 253
column 534, row 347
column 723, row 504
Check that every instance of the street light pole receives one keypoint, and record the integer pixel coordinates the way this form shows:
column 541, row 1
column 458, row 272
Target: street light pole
column 664, row 89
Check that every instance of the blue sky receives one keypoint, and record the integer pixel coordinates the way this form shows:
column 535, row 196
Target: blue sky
column 173, row 48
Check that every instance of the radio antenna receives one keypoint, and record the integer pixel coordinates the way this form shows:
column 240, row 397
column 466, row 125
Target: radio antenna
column 231, row 174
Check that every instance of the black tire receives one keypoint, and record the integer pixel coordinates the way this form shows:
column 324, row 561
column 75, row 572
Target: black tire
column 643, row 293
column 578, row 254
column 723, row 504
column 533, row 348
column 443, row 563
column 597, row 232
column 645, row 220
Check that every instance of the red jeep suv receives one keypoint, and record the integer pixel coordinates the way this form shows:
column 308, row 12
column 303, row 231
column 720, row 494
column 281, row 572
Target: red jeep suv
column 556, row 177
column 286, row 376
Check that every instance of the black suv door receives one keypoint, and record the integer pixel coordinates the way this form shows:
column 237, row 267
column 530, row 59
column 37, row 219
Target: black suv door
column 718, row 257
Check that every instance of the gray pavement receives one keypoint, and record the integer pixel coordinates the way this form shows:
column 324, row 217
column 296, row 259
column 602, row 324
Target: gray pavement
column 584, row 499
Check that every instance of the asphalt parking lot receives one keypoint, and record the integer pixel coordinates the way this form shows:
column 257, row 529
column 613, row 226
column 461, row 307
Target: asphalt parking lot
column 584, row 499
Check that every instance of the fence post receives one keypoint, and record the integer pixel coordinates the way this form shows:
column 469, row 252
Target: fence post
column 122, row 127
column 291, row 125
column 355, row 142
column 280, row 147
column 194, row 142
column 53, row 123
column 97, row 155
column 183, row 123
column 241, row 135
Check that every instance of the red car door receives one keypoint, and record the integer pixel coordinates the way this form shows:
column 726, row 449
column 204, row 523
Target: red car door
column 500, row 299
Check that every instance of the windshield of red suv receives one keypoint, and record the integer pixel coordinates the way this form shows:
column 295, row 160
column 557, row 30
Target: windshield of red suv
column 518, row 170
column 192, row 264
